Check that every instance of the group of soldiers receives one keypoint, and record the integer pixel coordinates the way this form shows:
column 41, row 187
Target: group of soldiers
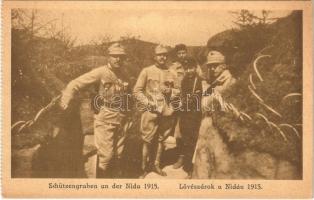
column 170, row 98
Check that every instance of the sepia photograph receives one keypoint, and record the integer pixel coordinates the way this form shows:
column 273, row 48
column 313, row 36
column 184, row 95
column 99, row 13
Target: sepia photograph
column 157, row 94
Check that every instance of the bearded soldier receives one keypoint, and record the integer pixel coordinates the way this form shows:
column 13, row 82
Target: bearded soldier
column 154, row 90
column 110, row 120
column 177, row 67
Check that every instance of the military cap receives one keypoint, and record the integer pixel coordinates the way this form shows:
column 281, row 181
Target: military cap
column 180, row 47
column 116, row 49
column 215, row 57
column 189, row 62
column 161, row 49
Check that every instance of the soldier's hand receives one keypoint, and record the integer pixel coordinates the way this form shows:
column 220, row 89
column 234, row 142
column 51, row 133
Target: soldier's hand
column 152, row 106
column 64, row 101
column 224, row 76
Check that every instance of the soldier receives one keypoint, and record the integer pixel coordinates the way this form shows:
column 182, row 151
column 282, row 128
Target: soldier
column 111, row 118
column 191, row 115
column 178, row 69
column 154, row 90
column 210, row 143
column 219, row 77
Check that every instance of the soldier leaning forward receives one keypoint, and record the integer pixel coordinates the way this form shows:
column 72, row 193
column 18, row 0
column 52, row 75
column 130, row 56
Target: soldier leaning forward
column 109, row 122
column 154, row 90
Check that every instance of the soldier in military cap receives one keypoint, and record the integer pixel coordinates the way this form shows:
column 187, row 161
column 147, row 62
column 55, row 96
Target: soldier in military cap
column 177, row 67
column 110, row 120
column 219, row 77
column 154, row 90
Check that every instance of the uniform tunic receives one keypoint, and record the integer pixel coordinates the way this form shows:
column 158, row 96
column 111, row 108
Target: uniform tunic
column 211, row 152
column 152, row 85
column 110, row 120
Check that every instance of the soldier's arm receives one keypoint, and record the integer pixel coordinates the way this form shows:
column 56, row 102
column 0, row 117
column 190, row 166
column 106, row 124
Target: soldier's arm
column 79, row 83
column 138, row 91
column 227, row 80
column 200, row 73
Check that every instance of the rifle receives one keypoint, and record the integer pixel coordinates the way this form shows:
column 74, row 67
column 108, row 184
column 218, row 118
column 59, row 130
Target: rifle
column 21, row 126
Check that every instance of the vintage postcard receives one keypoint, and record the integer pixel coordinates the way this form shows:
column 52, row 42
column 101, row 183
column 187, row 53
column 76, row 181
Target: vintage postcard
column 166, row 99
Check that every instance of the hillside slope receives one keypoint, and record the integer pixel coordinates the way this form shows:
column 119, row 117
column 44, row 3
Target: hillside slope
column 268, row 93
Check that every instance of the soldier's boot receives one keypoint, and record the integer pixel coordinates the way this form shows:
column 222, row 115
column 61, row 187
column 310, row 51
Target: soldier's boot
column 144, row 170
column 118, row 169
column 144, row 166
column 180, row 148
column 188, row 165
column 179, row 162
column 101, row 173
column 189, row 176
column 156, row 167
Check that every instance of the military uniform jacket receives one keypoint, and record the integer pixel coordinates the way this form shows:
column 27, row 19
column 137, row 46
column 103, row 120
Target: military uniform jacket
column 151, row 84
column 111, row 87
column 223, row 83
